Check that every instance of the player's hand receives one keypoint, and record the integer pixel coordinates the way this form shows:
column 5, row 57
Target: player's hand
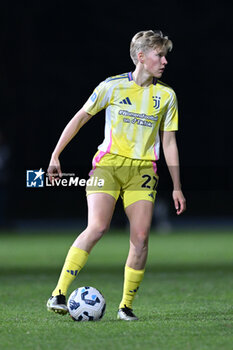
column 179, row 201
column 54, row 169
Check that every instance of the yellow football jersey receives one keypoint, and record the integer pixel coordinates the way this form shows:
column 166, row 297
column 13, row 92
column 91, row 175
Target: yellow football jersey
column 134, row 115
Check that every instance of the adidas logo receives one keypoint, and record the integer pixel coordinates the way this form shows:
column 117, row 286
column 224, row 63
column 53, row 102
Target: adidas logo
column 126, row 101
column 72, row 272
column 151, row 195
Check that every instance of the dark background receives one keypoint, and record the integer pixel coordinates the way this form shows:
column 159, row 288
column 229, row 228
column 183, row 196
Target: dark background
column 54, row 53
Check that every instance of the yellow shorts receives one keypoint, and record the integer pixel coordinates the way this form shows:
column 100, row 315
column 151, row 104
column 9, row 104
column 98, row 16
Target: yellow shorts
column 133, row 179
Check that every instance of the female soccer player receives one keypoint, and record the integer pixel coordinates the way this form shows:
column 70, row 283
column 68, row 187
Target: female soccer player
column 140, row 110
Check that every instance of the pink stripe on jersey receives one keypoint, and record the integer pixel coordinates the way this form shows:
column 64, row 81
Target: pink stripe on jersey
column 96, row 160
column 154, row 167
column 110, row 143
column 156, row 157
column 100, row 155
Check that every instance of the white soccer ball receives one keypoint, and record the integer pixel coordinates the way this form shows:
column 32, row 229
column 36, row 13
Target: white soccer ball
column 86, row 304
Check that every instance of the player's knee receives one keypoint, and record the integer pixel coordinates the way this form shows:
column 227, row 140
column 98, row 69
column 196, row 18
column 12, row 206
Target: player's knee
column 140, row 237
column 99, row 228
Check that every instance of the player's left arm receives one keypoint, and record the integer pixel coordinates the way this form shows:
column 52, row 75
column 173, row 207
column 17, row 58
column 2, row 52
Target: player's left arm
column 171, row 154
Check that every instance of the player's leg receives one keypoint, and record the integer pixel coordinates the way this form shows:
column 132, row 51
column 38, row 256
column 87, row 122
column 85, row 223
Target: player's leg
column 140, row 216
column 100, row 210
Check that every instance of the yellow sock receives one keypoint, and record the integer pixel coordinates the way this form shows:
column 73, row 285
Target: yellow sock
column 132, row 281
column 75, row 260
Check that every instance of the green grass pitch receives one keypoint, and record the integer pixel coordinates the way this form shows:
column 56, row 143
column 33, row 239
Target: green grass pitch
column 185, row 300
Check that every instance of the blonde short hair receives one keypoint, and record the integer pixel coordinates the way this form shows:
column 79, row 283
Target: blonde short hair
column 147, row 40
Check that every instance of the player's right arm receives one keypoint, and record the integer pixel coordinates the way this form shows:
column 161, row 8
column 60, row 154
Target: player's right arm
column 97, row 101
column 71, row 129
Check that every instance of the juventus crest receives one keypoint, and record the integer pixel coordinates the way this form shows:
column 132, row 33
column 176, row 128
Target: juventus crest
column 156, row 100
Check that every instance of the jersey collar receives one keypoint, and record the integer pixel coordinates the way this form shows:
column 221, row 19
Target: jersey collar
column 130, row 77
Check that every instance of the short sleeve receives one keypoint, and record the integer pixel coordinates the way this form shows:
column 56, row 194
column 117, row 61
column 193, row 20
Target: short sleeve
column 169, row 120
column 98, row 100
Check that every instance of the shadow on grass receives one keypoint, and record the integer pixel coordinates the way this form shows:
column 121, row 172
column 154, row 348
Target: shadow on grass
column 155, row 316
column 226, row 315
